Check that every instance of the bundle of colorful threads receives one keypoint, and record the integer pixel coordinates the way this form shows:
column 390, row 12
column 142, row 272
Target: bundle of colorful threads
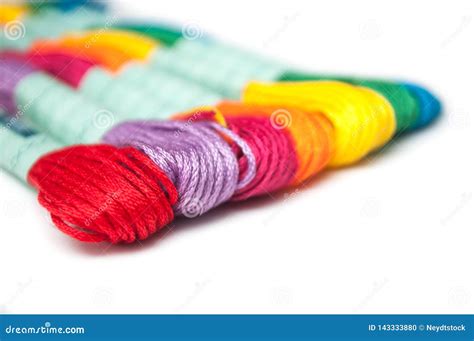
column 112, row 85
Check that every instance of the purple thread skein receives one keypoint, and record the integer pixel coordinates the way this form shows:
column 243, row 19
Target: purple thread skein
column 195, row 157
column 12, row 71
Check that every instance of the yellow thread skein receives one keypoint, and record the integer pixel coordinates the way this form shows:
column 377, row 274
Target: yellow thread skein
column 135, row 45
column 11, row 12
column 363, row 120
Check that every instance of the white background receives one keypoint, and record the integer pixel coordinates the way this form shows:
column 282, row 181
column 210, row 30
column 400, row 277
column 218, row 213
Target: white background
column 394, row 235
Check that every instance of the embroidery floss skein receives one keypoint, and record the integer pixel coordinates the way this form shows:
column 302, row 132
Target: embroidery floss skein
column 363, row 120
column 318, row 149
column 84, row 236
column 120, row 173
column 60, row 217
column 218, row 59
column 373, row 120
column 115, row 194
column 66, row 5
column 115, row 93
column 368, row 149
column 74, row 217
column 130, row 75
column 109, row 58
column 129, row 182
column 214, row 176
column 65, row 68
column 10, row 12
column 14, row 123
column 49, row 105
column 320, row 145
column 103, row 193
column 221, row 68
column 369, row 146
column 306, row 125
column 407, row 100
column 202, row 180
column 311, row 134
column 370, row 116
column 43, row 99
column 416, row 106
column 50, row 22
column 197, row 160
column 272, row 165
